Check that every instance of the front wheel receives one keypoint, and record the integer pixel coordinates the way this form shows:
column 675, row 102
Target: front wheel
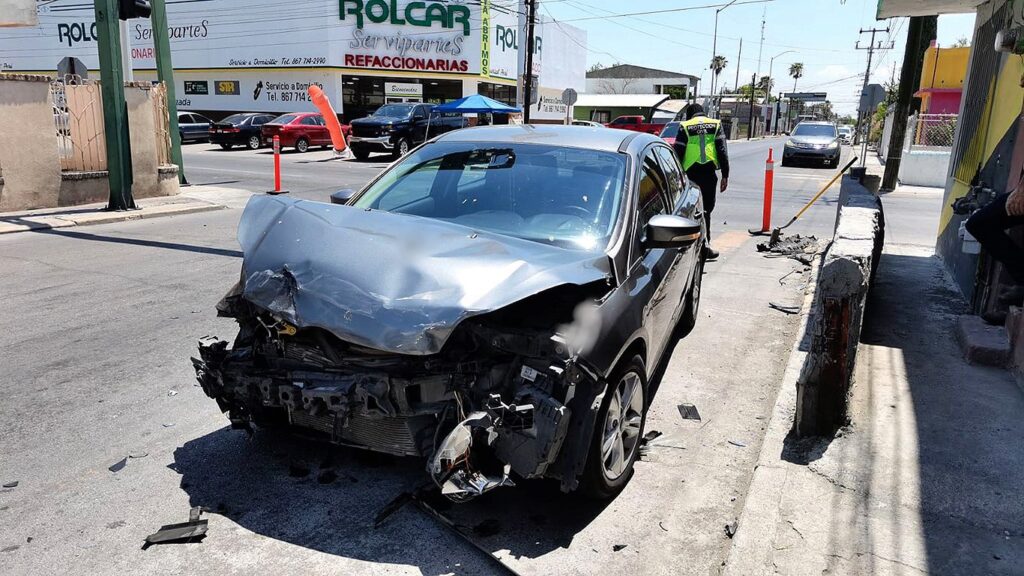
column 254, row 142
column 302, row 145
column 360, row 153
column 615, row 444
column 226, row 146
column 402, row 148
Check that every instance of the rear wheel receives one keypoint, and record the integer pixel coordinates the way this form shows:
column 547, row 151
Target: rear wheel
column 254, row 142
column 226, row 146
column 620, row 423
column 689, row 318
column 302, row 145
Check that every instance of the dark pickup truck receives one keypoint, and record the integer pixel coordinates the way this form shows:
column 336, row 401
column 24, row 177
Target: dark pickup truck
column 396, row 128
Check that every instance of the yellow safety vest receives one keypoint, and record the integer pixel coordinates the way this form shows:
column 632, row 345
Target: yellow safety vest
column 701, row 132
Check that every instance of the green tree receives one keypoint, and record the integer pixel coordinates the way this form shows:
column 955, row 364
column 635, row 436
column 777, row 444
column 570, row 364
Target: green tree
column 962, row 42
column 796, row 70
column 718, row 63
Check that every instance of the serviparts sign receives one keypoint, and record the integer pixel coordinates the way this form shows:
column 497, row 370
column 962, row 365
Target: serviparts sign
column 415, row 36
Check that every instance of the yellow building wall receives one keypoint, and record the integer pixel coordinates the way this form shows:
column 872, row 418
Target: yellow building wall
column 944, row 67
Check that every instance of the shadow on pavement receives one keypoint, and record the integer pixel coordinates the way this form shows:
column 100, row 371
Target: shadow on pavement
column 326, row 498
column 140, row 242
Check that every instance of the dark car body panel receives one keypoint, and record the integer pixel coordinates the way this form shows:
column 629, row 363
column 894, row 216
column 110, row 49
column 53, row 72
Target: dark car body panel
column 240, row 131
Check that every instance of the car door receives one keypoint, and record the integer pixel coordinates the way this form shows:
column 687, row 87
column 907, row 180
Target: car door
column 323, row 135
column 200, row 126
column 308, row 129
column 684, row 200
column 653, row 270
column 419, row 124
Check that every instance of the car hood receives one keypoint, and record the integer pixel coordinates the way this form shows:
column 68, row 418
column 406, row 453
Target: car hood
column 376, row 121
column 392, row 282
column 811, row 139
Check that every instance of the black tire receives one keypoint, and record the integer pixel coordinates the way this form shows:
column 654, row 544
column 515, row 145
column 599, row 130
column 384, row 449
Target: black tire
column 784, row 162
column 360, row 154
column 226, row 146
column 688, row 319
column 595, row 482
column 254, row 142
column 402, row 148
column 301, row 145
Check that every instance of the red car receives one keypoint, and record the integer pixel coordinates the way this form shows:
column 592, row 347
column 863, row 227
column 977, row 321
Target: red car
column 669, row 132
column 636, row 124
column 298, row 130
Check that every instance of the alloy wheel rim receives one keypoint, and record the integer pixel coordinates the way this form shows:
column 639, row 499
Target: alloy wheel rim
column 403, row 148
column 621, row 430
column 254, row 142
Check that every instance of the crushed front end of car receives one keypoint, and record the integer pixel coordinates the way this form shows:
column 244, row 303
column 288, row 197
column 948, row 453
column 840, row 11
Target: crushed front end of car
column 432, row 342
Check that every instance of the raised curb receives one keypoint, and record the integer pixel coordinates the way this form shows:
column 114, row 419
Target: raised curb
column 982, row 344
column 49, row 220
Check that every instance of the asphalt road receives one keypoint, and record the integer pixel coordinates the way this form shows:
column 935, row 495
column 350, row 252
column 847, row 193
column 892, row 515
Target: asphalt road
column 97, row 325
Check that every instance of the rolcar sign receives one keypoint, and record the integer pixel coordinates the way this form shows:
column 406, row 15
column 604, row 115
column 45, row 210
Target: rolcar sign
column 421, row 14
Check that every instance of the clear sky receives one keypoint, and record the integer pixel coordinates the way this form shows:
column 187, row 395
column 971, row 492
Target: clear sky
column 822, row 33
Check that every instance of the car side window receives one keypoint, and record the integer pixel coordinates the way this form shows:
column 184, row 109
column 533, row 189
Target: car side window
column 650, row 198
column 309, row 121
column 673, row 174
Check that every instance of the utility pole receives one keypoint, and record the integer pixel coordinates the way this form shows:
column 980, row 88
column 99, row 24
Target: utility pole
column 750, row 123
column 862, row 115
column 760, row 47
column 714, row 52
column 115, row 111
column 919, row 35
column 531, row 14
column 778, row 111
column 165, row 74
column 739, row 56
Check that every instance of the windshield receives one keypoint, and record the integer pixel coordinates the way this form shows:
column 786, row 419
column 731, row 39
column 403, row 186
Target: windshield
column 394, row 111
column 284, row 119
column 234, row 119
column 815, row 130
column 671, row 130
column 568, row 197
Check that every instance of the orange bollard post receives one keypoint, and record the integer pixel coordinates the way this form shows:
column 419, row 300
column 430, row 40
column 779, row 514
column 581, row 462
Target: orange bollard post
column 769, row 181
column 277, row 167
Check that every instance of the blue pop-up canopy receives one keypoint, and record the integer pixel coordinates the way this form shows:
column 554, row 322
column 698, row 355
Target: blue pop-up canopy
column 473, row 104
column 478, row 104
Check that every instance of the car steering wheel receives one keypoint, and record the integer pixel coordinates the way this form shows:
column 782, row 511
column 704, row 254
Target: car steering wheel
column 580, row 211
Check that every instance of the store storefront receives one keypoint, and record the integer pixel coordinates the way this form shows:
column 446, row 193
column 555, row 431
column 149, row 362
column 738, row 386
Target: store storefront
column 262, row 55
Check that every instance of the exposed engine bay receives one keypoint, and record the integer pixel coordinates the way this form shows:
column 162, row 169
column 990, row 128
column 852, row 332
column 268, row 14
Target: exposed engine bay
column 501, row 398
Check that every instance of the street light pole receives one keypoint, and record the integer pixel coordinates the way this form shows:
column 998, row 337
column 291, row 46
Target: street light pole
column 768, row 88
column 714, row 52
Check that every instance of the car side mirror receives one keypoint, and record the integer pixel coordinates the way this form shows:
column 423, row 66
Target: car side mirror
column 670, row 231
column 342, row 196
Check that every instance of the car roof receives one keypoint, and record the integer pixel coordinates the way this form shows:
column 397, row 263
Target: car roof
column 819, row 122
column 609, row 140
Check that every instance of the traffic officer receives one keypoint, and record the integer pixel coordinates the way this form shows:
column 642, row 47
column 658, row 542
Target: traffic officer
column 702, row 149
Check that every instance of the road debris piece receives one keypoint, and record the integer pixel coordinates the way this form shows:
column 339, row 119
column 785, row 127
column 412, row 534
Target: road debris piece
column 730, row 529
column 391, row 507
column 662, row 526
column 168, row 424
column 649, row 437
column 192, row 531
column 737, row 443
column 172, row 392
column 784, row 309
column 138, row 454
column 618, row 547
column 448, row 523
column 689, row 412
column 13, row 484
column 800, row 248
column 119, row 465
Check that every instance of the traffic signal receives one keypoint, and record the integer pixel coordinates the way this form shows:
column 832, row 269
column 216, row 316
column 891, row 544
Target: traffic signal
column 128, row 9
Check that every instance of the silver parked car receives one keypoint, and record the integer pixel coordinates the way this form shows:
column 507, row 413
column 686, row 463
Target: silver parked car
column 495, row 302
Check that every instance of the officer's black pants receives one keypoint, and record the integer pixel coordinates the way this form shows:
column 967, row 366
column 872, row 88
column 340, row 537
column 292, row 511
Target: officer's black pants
column 989, row 226
column 707, row 181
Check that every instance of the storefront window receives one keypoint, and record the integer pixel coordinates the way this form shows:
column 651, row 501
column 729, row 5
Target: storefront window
column 500, row 92
column 362, row 95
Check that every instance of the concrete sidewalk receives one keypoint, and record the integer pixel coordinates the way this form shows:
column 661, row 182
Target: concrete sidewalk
column 193, row 199
column 927, row 477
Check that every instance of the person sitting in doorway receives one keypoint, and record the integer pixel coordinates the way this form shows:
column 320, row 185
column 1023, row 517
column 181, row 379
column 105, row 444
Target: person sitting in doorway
column 989, row 226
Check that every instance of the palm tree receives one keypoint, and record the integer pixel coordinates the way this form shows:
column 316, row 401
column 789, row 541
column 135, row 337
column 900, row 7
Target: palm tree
column 718, row 63
column 796, row 70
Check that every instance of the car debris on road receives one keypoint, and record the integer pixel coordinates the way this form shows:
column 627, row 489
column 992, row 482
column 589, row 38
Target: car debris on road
column 192, row 531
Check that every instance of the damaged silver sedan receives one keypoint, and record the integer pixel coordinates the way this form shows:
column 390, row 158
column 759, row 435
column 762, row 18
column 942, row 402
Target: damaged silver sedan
column 494, row 303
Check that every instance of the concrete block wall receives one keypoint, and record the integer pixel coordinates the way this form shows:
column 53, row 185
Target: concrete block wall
column 32, row 176
column 28, row 144
column 925, row 166
column 843, row 283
